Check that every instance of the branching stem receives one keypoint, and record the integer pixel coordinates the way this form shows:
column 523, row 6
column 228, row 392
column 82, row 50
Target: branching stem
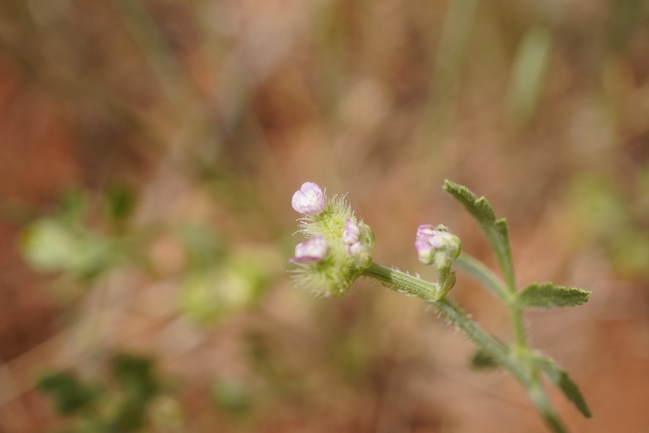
column 517, row 358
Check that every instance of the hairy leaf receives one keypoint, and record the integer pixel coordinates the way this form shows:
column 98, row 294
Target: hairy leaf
column 494, row 229
column 559, row 377
column 547, row 295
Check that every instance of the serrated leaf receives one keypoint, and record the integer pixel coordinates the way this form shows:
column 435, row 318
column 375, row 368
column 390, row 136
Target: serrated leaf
column 483, row 360
column 547, row 295
column 559, row 377
column 494, row 229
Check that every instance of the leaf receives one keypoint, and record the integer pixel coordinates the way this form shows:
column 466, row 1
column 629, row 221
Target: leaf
column 121, row 202
column 135, row 375
column 542, row 403
column 139, row 384
column 494, row 229
column 547, row 295
column 68, row 394
column 559, row 377
column 483, row 360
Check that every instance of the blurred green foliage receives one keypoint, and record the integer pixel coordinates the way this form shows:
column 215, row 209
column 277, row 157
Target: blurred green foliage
column 614, row 217
column 122, row 404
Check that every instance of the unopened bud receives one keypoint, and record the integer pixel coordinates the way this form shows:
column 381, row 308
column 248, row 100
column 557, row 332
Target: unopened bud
column 437, row 246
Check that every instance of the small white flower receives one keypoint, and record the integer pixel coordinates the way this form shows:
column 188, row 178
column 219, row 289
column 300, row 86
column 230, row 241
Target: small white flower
column 311, row 251
column 309, row 199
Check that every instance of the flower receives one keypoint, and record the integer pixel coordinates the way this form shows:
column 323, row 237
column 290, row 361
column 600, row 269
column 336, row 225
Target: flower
column 437, row 246
column 311, row 251
column 338, row 247
column 359, row 240
column 309, row 199
column 351, row 232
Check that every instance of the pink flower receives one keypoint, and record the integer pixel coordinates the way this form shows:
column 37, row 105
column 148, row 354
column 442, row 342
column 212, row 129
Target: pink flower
column 437, row 245
column 426, row 233
column 309, row 199
column 311, row 251
column 351, row 232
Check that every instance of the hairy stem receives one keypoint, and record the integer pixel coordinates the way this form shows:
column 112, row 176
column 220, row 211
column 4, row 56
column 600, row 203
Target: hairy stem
column 482, row 274
column 517, row 361
column 404, row 283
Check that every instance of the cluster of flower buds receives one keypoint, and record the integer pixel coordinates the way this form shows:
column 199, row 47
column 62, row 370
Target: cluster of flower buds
column 338, row 248
column 437, row 246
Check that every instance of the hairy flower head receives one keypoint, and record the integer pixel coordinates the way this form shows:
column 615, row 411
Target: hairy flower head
column 348, row 250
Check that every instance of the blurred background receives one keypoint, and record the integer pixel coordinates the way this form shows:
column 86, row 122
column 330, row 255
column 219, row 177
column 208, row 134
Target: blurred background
column 149, row 150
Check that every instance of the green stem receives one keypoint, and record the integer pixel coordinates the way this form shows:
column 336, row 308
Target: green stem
column 482, row 274
column 518, row 362
column 519, row 328
column 404, row 283
column 401, row 282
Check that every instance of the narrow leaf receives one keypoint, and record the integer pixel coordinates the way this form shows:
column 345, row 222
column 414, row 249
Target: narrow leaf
column 559, row 377
column 494, row 229
column 542, row 403
column 483, row 360
column 547, row 295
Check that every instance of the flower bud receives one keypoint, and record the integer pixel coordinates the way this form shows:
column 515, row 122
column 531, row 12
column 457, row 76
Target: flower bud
column 351, row 232
column 359, row 239
column 309, row 199
column 338, row 249
column 311, row 251
column 437, row 246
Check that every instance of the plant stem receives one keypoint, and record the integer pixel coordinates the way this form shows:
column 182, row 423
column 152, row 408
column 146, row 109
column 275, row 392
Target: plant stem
column 482, row 274
column 518, row 362
column 404, row 283
column 401, row 282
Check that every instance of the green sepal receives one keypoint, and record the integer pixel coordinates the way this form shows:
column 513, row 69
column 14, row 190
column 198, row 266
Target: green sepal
column 482, row 360
column 494, row 229
column 547, row 295
column 445, row 282
column 559, row 377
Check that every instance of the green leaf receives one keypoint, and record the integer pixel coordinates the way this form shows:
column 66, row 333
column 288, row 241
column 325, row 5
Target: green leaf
column 494, row 229
column 483, row 360
column 542, row 403
column 120, row 202
column 68, row 394
column 559, row 377
column 547, row 295
column 135, row 375
column 137, row 379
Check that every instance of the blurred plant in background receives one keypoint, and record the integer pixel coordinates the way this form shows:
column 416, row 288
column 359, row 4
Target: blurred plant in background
column 135, row 400
column 148, row 148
